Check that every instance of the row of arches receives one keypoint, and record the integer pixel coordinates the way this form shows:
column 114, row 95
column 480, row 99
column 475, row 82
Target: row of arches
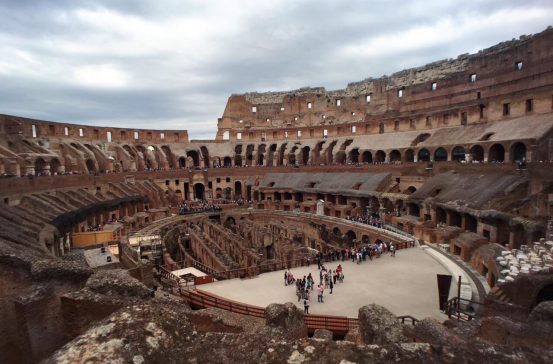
column 305, row 155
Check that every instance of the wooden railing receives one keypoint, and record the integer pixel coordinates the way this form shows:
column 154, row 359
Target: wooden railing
column 198, row 299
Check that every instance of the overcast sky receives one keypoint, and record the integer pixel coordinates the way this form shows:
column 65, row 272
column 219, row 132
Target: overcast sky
column 173, row 64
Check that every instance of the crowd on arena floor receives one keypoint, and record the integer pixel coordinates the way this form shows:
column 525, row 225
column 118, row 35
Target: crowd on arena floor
column 329, row 278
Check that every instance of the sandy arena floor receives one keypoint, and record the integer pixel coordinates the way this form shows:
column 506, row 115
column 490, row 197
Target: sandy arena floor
column 406, row 285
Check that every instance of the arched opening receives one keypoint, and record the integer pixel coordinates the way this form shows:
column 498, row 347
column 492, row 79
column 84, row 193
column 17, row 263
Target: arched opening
column 227, row 162
column 299, row 196
column 545, row 294
column 420, row 138
column 278, row 196
column 471, row 224
column 39, row 165
column 238, row 160
column 336, row 232
column 455, row 219
column 341, row 157
column 351, row 236
column 90, row 165
column 496, row 153
column 237, row 189
column 395, row 156
column 354, row 155
column 195, row 157
column 409, row 155
column 219, row 193
column 414, row 210
column 366, row 240
column 205, row 155
column 380, row 157
column 519, row 152
column 55, row 166
column 410, row 190
column 261, row 158
column 477, row 153
column 182, row 162
column 199, row 191
column 441, row 216
column 440, row 155
column 424, row 155
column 305, row 154
column 291, row 158
column 367, row 157
column 458, row 154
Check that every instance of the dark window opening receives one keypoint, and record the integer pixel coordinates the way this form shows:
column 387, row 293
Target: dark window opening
column 529, row 105
column 506, row 109
column 464, row 118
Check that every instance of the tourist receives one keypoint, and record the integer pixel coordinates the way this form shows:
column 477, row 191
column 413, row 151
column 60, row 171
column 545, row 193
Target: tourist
column 326, row 281
column 286, row 277
column 331, row 286
column 307, row 260
column 321, row 277
column 318, row 261
column 393, row 250
column 306, row 306
column 298, row 289
column 320, row 290
column 335, row 276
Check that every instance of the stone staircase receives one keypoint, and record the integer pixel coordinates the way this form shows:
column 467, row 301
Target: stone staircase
column 500, row 295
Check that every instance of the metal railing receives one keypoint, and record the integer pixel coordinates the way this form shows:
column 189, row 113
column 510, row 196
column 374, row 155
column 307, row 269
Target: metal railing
column 454, row 307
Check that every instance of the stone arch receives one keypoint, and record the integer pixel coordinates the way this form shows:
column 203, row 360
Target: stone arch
column 195, row 157
column 336, row 232
column 367, row 157
column 219, row 192
column 395, row 156
column 351, row 236
column 496, row 153
column 238, row 160
column 458, row 154
column 227, row 162
column 40, row 165
column 424, row 155
column 55, row 166
column 170, row 156
column 90, row 165
column 205, row 155
column 409, row 155
column 380, row 156
column 440, row 155
column 420, row 138
column 518, row 152
column 182, row 162
column 410, row 190
column 354, row 155
column 341, row 157
column 477, row 153
column 545, row 294
column 199, row 191
column 305, row 154
column 238, row 189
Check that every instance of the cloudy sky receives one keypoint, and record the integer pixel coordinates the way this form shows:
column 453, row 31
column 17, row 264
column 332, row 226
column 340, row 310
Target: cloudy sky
column 172, row 64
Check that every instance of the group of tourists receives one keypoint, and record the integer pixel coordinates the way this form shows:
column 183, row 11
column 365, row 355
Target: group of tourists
column 204, row 206
column 304, row 286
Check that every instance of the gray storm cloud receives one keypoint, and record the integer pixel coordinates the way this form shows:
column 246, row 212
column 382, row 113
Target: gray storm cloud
column 173, row 64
